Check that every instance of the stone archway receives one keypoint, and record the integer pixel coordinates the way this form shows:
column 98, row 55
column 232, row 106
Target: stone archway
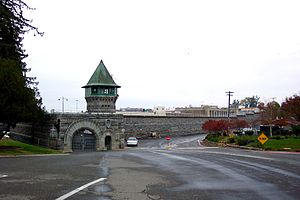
column 74, row 130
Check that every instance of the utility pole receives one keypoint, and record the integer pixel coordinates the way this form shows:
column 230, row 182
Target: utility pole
column 63, row 99
column 229, row 94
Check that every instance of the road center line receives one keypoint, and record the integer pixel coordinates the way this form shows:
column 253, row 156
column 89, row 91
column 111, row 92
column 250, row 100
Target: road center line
column 80, row 188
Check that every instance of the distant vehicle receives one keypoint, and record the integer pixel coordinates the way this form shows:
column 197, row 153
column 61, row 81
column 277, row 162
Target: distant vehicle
column 6, row 134
column 132, row 141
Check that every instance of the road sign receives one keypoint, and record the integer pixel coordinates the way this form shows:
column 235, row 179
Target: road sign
column 262, row 138
column 168, row 138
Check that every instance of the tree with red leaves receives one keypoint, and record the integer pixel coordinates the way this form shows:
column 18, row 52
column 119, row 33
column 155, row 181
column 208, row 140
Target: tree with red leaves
column 238, row 124
column 280, row 122
column 216, row 126
column 291, row 108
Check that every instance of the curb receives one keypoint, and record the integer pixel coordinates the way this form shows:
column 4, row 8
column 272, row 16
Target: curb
column 208, row 143
column 32, row 155
column 244, row 147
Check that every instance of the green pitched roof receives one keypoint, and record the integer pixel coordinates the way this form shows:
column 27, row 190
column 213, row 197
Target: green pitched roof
column 101, row 77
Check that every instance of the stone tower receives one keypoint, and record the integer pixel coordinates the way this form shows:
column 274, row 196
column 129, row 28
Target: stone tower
column 101, row 92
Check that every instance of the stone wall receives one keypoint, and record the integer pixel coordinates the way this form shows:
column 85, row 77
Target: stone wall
column 41, row 134
column 140, row 126
column 143, row 126
column 48, row 134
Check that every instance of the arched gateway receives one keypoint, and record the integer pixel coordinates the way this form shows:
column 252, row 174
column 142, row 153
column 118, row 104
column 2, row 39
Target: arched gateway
column 90, row 132
column 86, row 135
column 100, row 128
column 84, row 140
column 82, row 136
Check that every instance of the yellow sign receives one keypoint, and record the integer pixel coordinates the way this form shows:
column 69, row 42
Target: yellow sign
column 262, row 138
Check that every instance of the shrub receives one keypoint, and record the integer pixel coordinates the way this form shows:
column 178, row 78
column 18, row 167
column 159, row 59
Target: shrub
column 277, row 137
column 212, row 137
column 244, row 140
column 249, row 132
column 237, row 132
column 231, row 140
column 293, row 136
column 296, row 129
column 282, row 132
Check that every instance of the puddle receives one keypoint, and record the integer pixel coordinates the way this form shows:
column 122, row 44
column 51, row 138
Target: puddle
column 105, row 171
column 104, row 168
column 102, row 189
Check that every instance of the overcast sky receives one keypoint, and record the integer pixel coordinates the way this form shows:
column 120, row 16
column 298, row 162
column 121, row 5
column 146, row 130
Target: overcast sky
column 166, row 52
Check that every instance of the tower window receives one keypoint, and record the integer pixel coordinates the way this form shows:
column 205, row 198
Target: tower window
column 94, row 90
column 112, row 91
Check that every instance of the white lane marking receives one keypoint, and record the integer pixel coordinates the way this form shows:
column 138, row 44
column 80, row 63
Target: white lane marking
column 195, row 148
column 268, row 168
column 80, row 188
column 223, row 153
column 239, row 155
column 3, row 175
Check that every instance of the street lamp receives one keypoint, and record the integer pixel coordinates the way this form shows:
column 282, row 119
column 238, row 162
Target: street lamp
column 63, row 99
column 76, row 106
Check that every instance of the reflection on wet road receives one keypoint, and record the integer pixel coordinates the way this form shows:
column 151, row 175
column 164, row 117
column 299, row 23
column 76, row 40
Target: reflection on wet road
column 223, row 173
column 158, row 169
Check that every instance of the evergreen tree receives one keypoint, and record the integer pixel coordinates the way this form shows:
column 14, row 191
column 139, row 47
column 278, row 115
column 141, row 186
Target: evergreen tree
column 20, row 100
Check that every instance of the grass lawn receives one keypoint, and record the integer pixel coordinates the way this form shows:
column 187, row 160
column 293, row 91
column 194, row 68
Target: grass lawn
column 12, row 147
column 280, row 143
column 289, row 144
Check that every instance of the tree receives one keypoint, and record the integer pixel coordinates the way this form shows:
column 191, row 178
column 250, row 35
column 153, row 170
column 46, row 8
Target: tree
column 216, row 126
column 19, row 95
column 235, row 104
column 250, row 102
column 290, row 109
column 280, row 122
column 270, row 113
column 238, row 124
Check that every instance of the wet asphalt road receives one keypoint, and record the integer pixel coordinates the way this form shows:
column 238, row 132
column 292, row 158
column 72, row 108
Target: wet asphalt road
column 156, row 169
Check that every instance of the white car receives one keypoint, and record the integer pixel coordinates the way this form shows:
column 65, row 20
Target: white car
column 132, row 141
